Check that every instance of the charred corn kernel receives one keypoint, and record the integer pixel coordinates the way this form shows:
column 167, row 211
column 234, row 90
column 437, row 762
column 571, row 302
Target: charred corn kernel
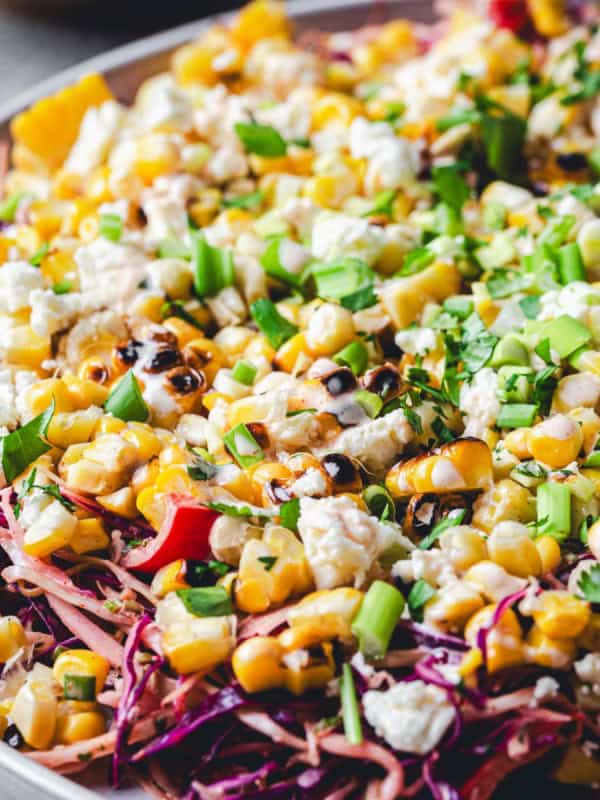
column 507, row 500
column 288, row 354
column 169, row 579
column 590, row 637
column 459, row 466
column 257, row 664
column 40, row 395
column 62, row 114
column 89, row 536
column 464, row 545
column 109, row 424
column 261, row 584
column 516, row 443
column 34, row 713
column 12, row 637
column 319, row 671
column 549, row 552
column 470, row 662
column 147, row 443
column 81, row 662
column 24, row 346
column 72, row 728
column 204, row 355
column 265, row 473
column 72, row 427
column 548, row 652
column 193, row 644
column 556, row 441
column 549, row 17
column 452, row 606
column 405, row 298
column 260, row 19
column 510, row 546
column 52, row 529
column 156, row 155
column 560, row 615
column 183, row 330
column 85, row 392
column 121, row 502
column 325, row 614
column 504, row 641
column 330, row 327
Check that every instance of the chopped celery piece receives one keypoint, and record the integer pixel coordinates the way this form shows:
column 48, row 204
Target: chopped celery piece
column 553, row 509
column 516, row 415
column 377, row 617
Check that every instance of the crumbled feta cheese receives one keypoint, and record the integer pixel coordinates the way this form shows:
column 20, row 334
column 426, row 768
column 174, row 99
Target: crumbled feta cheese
column 574, row 299
column 227, row 307
column 479, row 402
column 17, row 280
column 588, row 669
column 311, row 484
column 335, row 235
column 8, row 412
column 52, row 312
column 164, row 103
column 291, row 118
column 191, row 428
column 24, row 379
column 227, row 163
column 109, row 273
column 417, row 341
column 412, row 717
column 545, row 689
column 432, row 566
column 97, row 132
column 341, row 541
column 165, row 206
column 378, row 442
column 393, row 161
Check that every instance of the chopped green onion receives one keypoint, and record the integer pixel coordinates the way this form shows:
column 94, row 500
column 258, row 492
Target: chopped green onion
column 206, row 601
column 594, row 160
column 593, row 460
column 570, row 263
column 516, row 415
column 21, row 447
column 459, row 117
column 39, row 255
column 460, row 307
column 8, row 207
column 174, row 248
column 251, row 200
column 383, row 203
column 379, row 502
column 271, row 263
column 503, row 140
column 213, row 268
column 276, row 328
column 176, row 308
column 370, row 402
column 377, row 617
column 450, row 521
column 261, row 139
column 362, row 298
column 111, row 227
column 243, row 446
column 125, row 400
column 556, row 233
column 62, row 287
column 79, row 687
column 420, row 594
column 342, row 277
column 450, row 186
column 530, row 306
column 448, row 220
column 553, row 509
column 514, row 384
column 289, row 513
column 244, row 372
column 350, row 710
column 355, row 355
column 494, row 216
column 510, row 351
column 566, row 335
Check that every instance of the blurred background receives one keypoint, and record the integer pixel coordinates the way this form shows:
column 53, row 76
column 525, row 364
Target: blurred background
column 40, row 37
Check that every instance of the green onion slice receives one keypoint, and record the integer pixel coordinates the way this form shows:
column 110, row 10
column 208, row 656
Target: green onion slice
column 213, row 268
column 350, row 709
column 377, row 617
column 355, row 355
column 79, row 687
column 244, row 372
column 553, row 509
column 243, row 446
column 276, row 328
column 517, row 415
column 111, row 227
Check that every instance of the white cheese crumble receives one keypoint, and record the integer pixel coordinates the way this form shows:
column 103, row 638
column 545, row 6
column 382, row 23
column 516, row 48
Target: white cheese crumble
column 393, row 161
column 575, row 299
column 97, row 132
column 412, row 717
column 545, row 689
column 479, row 402
column 335, row 235
column 17, row 280
column 312, row 484
column 110, row 273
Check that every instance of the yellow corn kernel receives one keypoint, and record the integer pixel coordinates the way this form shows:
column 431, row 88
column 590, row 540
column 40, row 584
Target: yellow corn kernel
column 169, row 579
column 319, row 672
column 174, row 479
column 288, row 354
column 549, row 17
column 257, row 664
column 504, row 642
column 556, row 441
column 156, row 155
column 152, row 505
column 147, row 443
column 67, row 185
column 109, row 424
column 470, row 663
column 548, row 652
column 210, row 400
column 452, row 606
column 510, row 546
column 184, row 332
column 549, row 551
column 72, row 728
column 34, row 713
column 396, row 38
column 89, row 536
column 81, row 662
column 560, row 615
column 330, row 327
column 259, row 347
column 24, row 346
column 405, row 298
column 325, row 190
column 121, row 502
column 464, row 546
column 46, row 217
column 334, row 107
column 194, row 62
column 507, row 500
column 84, row 392
column 60, row 114
column 193, row 644
column 246, row 409
column 52, row 529
column 328, row 613
column 260, row 19
column 173, row 455
column 12, row 637
column 72, row 427
column 516, row 443
column 40, row 395
column 204, row 355
column 97, row 187
column 57, row 266
column 72, row 455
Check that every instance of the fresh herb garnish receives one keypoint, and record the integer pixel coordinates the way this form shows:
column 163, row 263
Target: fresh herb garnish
column 589, row 584
column 261, row 139
column 206, row 601
column 21, row 447
column 450, row 521
column 420, row 594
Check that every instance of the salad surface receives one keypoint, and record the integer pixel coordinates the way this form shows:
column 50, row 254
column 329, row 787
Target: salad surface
column 300, row 412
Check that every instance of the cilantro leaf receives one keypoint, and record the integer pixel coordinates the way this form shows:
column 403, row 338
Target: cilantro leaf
column 24, row 445
column 589, row 584
column 449, row 521
column 261, row 139
column 420, row 593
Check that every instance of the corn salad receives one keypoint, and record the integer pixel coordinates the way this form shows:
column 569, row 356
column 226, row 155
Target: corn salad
column 300, row 411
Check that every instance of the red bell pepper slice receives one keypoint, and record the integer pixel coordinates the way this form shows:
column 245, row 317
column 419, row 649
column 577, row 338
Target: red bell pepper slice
column 511, row 14
column 183, row 534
